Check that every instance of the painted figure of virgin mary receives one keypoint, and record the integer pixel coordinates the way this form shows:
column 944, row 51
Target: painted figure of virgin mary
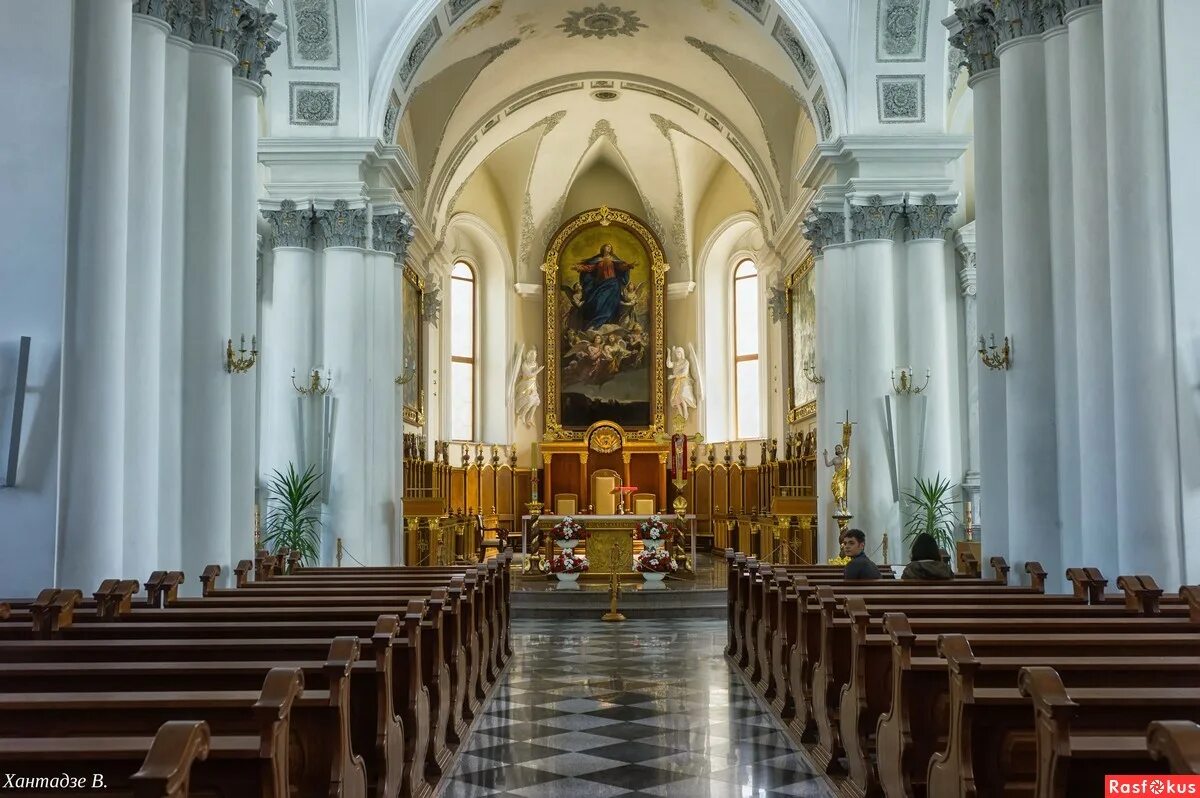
column 603, row 278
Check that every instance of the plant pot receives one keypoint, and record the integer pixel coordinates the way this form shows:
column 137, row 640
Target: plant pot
column 567, row 586
column 568, row 577
column 653, row 544
column 651, row 576
column 567, row 545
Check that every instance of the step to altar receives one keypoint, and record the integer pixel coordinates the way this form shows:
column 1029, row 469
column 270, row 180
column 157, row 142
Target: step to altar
column 537, row 598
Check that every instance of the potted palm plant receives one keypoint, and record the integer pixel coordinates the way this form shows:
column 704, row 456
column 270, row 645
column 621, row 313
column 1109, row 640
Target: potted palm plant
column 931, row 510
column 294, row 513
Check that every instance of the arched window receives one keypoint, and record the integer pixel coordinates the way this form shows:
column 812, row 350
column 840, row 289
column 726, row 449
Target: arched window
column 746, row 383
column 462, row 352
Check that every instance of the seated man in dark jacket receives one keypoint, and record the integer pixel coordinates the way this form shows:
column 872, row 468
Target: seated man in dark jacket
column 854, row 546
column 926, row 560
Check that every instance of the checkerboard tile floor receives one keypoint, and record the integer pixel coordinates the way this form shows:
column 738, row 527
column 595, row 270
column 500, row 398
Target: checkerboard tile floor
column 641, row 708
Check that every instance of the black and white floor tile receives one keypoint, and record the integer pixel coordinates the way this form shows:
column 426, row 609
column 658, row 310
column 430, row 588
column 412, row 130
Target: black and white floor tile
column 642, row 708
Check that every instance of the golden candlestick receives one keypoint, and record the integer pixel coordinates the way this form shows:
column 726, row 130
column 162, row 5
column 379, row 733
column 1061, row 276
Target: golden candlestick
column 614, row 588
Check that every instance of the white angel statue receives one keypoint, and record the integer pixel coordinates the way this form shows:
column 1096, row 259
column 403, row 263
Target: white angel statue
column 527, row 398
column 683, row 393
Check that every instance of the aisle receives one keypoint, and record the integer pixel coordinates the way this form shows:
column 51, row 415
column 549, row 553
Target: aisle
column 595, row 710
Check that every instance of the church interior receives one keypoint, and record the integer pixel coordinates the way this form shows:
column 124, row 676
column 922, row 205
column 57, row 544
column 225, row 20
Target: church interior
column 420, row 398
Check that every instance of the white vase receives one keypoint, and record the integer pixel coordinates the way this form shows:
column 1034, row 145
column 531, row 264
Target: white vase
column 568, row 577
column 567, row 545
column 652, row 544
column 651, row 576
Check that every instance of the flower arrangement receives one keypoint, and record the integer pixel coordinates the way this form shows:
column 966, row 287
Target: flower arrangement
column 839, row 560
column 568, row 563
column 654, row 528
column 568, row 529
column 655, row 561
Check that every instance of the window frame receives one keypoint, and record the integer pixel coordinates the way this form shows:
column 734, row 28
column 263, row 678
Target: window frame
column 737, row 359
column 473, row 360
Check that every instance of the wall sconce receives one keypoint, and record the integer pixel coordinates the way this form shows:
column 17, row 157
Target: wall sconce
column 810, row 374
column 907, row 385
column 314, row 387
column 241, row 363
column 410, row 371
column 996, row 360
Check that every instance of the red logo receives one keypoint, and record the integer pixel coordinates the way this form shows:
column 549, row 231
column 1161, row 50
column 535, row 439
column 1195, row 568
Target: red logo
column 1115, row 786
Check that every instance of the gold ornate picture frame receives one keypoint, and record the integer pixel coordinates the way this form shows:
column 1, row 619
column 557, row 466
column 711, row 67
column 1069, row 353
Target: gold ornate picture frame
column 605, row 308
column 413, row 335
column 801, row 341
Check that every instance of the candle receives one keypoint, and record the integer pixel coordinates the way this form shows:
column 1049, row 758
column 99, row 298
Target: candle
column 535, row 456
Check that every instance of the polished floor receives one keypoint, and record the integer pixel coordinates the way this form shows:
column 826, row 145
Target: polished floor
column 595, row 710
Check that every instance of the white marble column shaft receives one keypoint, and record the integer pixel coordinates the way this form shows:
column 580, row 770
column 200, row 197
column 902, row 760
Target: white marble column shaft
column 147, row 119
column 174, row 213
column 1060, row 140
column 346, row 356
column 1093, row 314
column 91, row 507
column 930, row 312
column 870, row 496
column 289, row 420
column 992, row 512
column 244, row 313
column 206, row 312
column 1146, row 441
column 382, row 500
column 1028, row 312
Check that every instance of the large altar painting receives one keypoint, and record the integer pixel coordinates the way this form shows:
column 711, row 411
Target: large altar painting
column 605, row 280
column 802, row 341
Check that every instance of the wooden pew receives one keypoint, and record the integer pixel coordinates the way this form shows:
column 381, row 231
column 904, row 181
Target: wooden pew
column 1176, row 742
column 1084, row 734
column 265, row 716
column 328, row 719
column 180, row 757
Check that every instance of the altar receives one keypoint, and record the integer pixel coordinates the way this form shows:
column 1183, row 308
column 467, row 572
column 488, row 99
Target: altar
column 612, row 540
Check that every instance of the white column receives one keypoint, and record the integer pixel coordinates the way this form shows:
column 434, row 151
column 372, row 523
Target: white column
column 873, row 223
column 1028, row 312
column 91, row 507
column 288, row 419
column 929, row 293
column 206, row 311
column 391, row 231
column 1148, row 489
column 965, row 244
column 1062, row 278
column 244, row 312
column 826, row 230
column 345, row 335
column 174, row 212
column 974, row 31
column 147, row 117
column 1093, row 314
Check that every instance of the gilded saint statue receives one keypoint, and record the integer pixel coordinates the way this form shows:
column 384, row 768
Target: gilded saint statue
column 839, row 483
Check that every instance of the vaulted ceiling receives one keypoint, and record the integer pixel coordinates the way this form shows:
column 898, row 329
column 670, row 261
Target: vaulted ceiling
column 685, row 111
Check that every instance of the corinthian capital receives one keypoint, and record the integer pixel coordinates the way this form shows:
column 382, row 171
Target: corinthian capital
column 1020, row 18
column 392, row 232
column 151, row 8
column 292, row 225
column 823, row 228
column 253, row 44
column 213, row 22
column 342, row 225
column 973, row 31
column 875, row 220
column 928, row 218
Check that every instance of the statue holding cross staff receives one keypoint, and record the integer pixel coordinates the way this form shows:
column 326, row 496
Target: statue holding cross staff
column 840, row 481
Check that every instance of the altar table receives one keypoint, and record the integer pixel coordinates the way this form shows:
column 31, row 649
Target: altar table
column 605, row 531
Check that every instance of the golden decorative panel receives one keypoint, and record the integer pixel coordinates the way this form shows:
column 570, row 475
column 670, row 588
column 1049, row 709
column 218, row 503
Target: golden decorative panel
column 605, row 438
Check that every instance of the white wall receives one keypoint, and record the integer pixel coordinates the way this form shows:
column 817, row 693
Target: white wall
column 35, row 60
